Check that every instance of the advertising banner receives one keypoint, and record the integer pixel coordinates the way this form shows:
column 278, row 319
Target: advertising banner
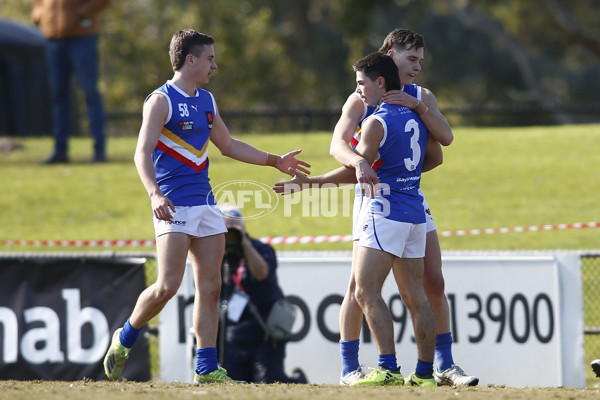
column 510, row 315
column 57, row 316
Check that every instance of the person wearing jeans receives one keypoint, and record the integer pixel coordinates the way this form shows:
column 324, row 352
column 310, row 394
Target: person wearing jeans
column 72, row 50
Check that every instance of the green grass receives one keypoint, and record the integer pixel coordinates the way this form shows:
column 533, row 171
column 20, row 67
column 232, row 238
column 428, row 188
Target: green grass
column 518, row 177
column 491, row 178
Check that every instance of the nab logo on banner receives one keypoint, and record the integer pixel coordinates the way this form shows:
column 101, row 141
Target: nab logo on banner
column 57, row 316
column 42, row 344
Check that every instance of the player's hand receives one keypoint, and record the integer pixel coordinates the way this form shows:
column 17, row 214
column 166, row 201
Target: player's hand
column 161, row 207
column 400, row 98
column 299, row 182
column 367, row 179
column 289, row 160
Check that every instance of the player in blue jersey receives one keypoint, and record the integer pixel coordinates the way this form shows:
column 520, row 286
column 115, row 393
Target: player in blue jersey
column 407, row 48
column 171, row 157
column 390, row 224
column 397, row 44
column 393, row 226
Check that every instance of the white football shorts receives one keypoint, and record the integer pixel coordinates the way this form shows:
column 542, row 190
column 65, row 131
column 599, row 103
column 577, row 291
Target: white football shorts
column 361, row 207
column 196, row 221
column 430, row 222
column 402, row 239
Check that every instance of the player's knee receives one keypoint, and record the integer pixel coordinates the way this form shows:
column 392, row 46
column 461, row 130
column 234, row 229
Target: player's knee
column 350, row 297
column 362, row 297
column 434, row 287
column 408, row 301
column 414, row 300
column 163, row 293
column 209, row 290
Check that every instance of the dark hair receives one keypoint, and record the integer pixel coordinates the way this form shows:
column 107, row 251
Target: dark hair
column 184, row 42
column 404, row 38
column 378, row 64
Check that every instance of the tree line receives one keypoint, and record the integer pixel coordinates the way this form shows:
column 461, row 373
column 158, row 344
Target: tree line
column 278, row 55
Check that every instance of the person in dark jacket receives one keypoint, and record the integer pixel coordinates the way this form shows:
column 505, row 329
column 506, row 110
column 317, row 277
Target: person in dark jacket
column 71, row 28
column 250, row 280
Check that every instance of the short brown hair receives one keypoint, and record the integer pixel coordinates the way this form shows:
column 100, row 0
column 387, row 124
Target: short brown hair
column 184, row 42
column 404, row 38
column 379, row 64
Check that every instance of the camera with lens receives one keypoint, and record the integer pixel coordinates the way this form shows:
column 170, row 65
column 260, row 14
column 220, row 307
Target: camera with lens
column 233, row 246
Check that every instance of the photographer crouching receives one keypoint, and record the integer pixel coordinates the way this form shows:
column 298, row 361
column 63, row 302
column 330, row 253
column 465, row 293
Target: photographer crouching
column 249, row 348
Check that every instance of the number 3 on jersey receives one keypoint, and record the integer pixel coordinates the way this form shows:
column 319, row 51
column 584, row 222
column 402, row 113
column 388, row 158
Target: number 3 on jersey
column 411, row 163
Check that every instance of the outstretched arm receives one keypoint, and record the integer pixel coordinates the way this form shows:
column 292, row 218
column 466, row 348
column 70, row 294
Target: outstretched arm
column 367, row 151
column 244, row 152
column 299, row 182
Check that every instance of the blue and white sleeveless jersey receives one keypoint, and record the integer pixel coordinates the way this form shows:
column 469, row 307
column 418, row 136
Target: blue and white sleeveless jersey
column 181, row 154
column 412, row 89
column 401, row 154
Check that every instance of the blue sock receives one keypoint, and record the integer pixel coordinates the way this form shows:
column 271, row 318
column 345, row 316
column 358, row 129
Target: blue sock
column 129, row 335
column 206, row 360
column 388, row 361
column 349, row 352
column 443, row 351
column 424, row 368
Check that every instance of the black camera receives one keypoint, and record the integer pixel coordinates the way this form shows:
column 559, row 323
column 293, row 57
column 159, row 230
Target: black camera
column 233, row 253
column 233, row 243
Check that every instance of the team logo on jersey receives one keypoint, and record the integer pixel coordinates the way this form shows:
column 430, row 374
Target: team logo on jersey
column 186, row 125
column 209, row 118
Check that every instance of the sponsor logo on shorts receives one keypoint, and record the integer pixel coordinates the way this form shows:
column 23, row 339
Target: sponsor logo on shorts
column 175, row 222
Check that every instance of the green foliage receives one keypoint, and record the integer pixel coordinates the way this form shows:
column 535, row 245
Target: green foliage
column 491, row 178
column 277, row 55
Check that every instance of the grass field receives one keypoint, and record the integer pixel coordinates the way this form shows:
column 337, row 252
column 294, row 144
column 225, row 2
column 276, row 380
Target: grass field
column 82, row 390
column 491, row 178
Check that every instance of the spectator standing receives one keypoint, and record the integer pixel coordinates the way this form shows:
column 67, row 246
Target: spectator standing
column 71, row 28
